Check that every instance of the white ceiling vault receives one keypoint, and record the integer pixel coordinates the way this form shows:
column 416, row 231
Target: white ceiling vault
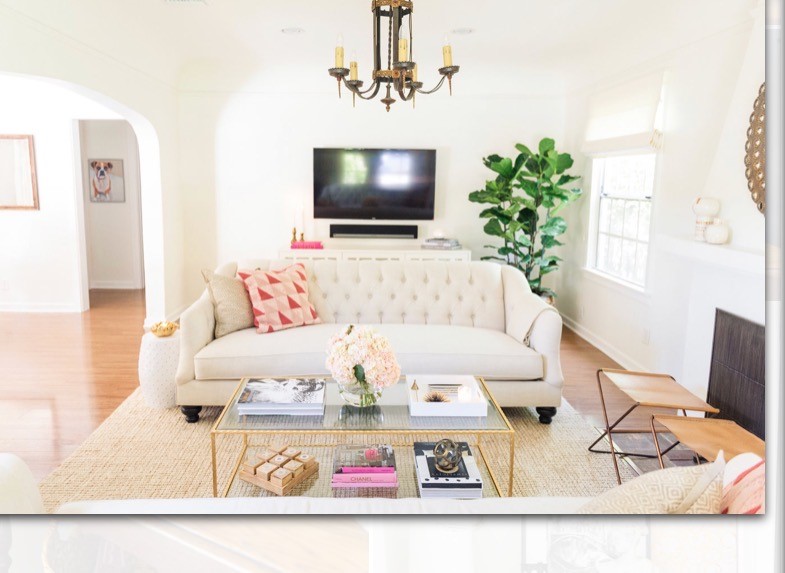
column 231, row 45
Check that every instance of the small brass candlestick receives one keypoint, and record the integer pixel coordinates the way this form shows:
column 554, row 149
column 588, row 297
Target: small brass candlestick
column 294, row 234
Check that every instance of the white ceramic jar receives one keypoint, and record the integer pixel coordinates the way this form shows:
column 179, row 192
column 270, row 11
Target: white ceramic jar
column 705, row 209
column 717, row 232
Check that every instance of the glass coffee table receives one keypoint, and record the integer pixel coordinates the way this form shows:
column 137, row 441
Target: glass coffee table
column 388, row 422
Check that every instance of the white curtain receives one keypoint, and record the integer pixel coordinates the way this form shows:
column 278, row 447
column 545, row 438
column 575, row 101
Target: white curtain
column 625, row 117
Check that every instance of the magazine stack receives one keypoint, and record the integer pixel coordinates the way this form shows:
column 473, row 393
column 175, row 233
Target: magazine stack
column 365, row 471
column 441, row 244
column 463, row 483
column 282, row 397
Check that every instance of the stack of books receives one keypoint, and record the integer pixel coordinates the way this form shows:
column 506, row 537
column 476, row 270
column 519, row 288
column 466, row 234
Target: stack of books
column 441, row 244
column 464, row 483
column 282, row 397
column 364, row 471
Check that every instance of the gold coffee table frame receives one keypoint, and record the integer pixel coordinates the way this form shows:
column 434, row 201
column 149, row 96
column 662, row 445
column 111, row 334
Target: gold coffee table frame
column 408, row 436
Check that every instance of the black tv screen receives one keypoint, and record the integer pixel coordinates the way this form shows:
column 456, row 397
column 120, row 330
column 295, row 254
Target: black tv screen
column 391, row 184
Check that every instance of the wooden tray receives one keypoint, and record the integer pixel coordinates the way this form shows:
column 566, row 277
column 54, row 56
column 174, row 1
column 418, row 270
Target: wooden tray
column 279, row 469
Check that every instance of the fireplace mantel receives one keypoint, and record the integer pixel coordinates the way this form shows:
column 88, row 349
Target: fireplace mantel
column 726, row 256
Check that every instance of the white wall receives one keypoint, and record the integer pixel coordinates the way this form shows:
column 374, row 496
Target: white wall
column 710, row 87
column 150, row 105
column 114, row 230
column 40, row 258
column 256, row 152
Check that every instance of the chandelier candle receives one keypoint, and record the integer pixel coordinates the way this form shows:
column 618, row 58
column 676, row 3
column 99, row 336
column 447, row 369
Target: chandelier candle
column 447, row 53
column 403, row 50
column 394, row 68
column 339, row 52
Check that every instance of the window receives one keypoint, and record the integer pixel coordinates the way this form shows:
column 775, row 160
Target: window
column 624, row 185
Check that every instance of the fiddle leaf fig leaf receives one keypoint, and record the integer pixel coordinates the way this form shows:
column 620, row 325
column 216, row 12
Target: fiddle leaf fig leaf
column 546, row 144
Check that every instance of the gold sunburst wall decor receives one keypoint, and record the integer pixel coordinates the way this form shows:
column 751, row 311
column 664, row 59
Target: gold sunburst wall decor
column 755, row 148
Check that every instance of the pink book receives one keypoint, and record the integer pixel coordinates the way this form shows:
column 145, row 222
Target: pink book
column 366, row 478
column 307, row 245
column 367, row 470
column 341, row 485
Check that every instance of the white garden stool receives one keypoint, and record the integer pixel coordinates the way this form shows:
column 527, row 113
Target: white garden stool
column 157, row 368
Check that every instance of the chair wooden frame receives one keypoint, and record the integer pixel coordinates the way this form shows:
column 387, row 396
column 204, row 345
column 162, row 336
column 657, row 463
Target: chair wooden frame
column 654, row 398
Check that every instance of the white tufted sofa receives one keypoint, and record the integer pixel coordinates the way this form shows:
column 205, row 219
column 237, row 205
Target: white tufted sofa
column 441, row 318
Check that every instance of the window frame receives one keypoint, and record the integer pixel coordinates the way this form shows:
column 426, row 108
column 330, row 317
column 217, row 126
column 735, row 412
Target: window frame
column 595, row 176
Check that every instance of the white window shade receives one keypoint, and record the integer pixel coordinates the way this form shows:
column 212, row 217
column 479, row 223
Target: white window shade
column 624, row 117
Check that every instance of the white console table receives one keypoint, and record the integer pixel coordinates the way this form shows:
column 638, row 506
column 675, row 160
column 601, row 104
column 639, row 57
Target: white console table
column 390, row 254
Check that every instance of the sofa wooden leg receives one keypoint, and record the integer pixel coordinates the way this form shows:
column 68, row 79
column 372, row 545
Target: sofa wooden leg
column 546, row 414
column 191, row 413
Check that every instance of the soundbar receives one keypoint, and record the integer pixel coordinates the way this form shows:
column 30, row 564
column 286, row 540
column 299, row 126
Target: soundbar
column 374, row 231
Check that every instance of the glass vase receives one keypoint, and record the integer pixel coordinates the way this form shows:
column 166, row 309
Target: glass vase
column 358, row 392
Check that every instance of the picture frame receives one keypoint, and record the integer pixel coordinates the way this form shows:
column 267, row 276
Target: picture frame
column 106, row 181
column 18, row 178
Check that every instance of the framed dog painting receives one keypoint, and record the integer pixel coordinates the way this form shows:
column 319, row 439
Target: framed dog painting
column 106, row 183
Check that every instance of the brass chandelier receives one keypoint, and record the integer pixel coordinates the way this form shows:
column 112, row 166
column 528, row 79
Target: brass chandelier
column 401, row 71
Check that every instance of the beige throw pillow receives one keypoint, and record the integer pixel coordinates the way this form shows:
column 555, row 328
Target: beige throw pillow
column 231, row 303
column 693, row 489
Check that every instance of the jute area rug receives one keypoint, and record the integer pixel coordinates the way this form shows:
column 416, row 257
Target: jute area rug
column 140, row 452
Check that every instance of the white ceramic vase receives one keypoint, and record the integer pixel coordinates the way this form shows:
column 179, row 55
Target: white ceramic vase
column 705, row 209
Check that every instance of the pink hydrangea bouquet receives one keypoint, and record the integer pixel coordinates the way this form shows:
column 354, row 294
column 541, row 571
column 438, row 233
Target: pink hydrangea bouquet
column 363, row 364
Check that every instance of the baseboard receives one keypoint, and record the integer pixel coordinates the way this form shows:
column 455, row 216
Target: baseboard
column 115, row 285
column 39, row 307
column 623, row 359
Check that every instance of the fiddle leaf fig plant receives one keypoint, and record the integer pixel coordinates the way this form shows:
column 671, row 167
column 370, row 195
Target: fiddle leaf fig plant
column 524, row 201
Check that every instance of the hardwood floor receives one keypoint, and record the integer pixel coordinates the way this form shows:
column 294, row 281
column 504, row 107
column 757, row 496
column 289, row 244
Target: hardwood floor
column 61, row 375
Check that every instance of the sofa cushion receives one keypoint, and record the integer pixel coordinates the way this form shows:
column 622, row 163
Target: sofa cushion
column 231, row 303
column 676, row 490
column 279, row 298
column 422, row 349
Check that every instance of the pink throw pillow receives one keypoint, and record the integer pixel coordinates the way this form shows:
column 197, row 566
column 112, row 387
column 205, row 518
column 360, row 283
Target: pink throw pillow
column 747, row 493
column 279, row 298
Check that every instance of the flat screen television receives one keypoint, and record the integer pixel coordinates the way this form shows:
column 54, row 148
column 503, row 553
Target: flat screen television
column 387, row 184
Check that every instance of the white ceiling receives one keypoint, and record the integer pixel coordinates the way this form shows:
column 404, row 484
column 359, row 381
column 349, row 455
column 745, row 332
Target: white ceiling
column 196, row 44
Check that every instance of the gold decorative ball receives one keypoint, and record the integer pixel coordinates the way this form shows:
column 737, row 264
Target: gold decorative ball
column 164, row 328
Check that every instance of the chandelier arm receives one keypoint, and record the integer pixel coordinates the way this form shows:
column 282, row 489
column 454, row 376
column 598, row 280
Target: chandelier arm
column 439, row 85
column 399, row 87
column 375, row 87
column 357, row 91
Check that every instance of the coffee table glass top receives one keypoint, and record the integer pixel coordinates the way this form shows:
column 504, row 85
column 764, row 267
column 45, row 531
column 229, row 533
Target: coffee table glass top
column 390, row 414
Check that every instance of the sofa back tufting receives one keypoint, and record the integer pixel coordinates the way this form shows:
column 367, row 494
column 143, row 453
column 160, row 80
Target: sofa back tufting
column 392, row 292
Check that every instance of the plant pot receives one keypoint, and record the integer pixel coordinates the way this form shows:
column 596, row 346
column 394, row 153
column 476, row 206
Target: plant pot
column 548, row 298
column 359, row 394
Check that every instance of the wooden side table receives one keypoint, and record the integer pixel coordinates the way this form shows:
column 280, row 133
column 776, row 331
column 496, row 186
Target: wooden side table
column 649, row 390
column 707, row 436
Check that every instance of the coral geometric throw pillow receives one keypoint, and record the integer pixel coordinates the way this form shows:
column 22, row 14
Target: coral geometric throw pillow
column 279, row 298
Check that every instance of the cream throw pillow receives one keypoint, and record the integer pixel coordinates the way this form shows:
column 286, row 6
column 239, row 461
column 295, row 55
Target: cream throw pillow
column 231, row 304
column 694, row 489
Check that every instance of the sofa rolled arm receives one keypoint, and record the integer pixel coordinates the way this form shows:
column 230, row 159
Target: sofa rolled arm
column 545, row 338
column 197, row 330
column 533, row 322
